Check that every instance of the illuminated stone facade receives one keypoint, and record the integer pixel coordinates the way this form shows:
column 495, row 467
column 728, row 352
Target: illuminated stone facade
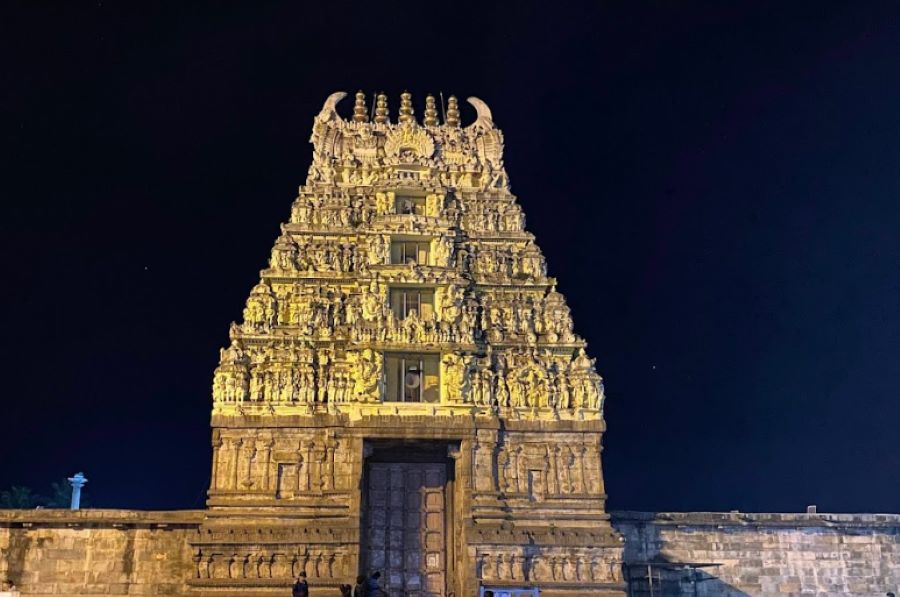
column 406, row 391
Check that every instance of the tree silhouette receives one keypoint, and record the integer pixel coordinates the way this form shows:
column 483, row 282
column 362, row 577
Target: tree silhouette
column 21, row 497
column 60, row 495
column 18, row 496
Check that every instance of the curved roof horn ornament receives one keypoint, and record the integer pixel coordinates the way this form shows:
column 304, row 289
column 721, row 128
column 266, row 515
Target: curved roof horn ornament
column 329, row 108
column 485, row 119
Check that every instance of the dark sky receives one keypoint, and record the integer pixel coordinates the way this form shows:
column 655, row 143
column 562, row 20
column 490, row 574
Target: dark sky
column 715, row 186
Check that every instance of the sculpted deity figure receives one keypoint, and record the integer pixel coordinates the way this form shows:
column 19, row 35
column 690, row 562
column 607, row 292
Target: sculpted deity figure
column 501, row 390
column 414, row 328
column 260, row 312
column 443, row 249
column 220, row 386
column 467, row 322
column 504, row 571
column 451, row 301
column 456, row 376
column 481, row 386
column 346, row 259
column 535, row 387
column 372, row 304
column 384, row 203
column 524, row 318
column 284, row 254
column 487, row 567
column 302, row 208
column 488, row 384
column 517, row 396
column 432, row 204
column 378, row 250
column 540, row 569
column 367, row 376
column 495, row 322
column 232, row 355
column 556, row 568
column 593, row 392
column 568, row 568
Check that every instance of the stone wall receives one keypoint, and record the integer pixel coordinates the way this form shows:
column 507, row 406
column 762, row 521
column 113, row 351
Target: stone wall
column 763, row 555
column 96, row 552
column 122, row 552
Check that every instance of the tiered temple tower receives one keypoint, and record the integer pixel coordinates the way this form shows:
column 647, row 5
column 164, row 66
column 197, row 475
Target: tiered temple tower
column 405, row 392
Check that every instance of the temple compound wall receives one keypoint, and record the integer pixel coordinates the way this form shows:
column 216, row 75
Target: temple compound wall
column 96, row 552
column 761, row 555
column 120, row 552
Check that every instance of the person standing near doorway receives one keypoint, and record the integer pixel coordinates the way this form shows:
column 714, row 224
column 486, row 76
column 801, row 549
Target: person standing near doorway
column 301, row 587
column 373, row 589
column 360, row 590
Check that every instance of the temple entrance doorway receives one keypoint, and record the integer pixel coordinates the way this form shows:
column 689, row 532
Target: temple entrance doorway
column 407, row 517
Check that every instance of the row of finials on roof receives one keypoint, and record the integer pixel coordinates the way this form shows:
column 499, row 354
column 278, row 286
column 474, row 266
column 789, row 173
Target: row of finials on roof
column 380, row 114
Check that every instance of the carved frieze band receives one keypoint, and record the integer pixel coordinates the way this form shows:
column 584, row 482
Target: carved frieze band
column 558, row 566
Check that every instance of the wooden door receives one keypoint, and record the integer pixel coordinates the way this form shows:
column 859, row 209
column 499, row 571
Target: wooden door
column 405, row 534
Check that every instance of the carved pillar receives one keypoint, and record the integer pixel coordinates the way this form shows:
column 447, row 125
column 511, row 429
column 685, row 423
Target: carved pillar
column 328, row 467
column 267, row 445
column 317, row 459
column 216, row 445
column 197, row 558
column 249, row 459
column 235, row 456
column 304, row 470
column 552, row 482
column 564, row 467
column 514, row 455
column 304, row 561
column 483, row 448
column 578, row 483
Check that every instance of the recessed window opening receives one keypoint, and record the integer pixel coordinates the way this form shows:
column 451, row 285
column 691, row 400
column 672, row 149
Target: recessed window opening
column 404, row 252
column 407, row 205
column 405, row 300
column 412, row 378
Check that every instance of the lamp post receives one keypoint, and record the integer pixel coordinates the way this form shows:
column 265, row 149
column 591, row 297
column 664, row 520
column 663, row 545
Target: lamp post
column 77, row 482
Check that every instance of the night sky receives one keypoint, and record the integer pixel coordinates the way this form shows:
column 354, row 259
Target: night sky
column 716, row 187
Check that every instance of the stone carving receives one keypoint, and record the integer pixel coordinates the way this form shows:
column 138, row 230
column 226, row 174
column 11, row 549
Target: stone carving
column 409, row 138
column 584, row 566
column 322, row 563
column 282, row 466
column 566, row 467
column 485, row 119
column 367, row 375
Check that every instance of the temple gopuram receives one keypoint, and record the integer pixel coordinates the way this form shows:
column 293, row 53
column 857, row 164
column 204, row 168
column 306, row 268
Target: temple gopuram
column 405, row 392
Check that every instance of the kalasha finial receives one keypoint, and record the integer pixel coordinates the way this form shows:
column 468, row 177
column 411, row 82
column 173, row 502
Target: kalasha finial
column 431, row 116
column 360, row 114
column 406, row 108
column 381, row 109
column 452, row 111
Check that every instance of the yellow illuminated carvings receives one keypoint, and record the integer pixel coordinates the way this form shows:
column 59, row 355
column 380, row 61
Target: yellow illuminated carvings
column 404, row 205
